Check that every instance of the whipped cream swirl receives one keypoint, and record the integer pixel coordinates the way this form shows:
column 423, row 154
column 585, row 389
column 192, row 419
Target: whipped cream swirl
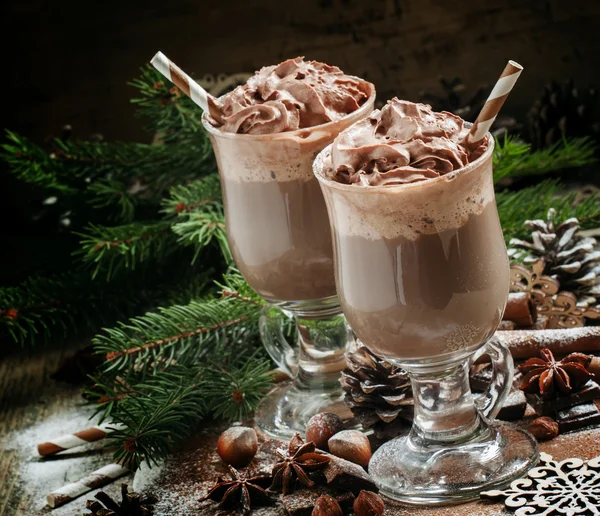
column 292, row 95
column 402, row 143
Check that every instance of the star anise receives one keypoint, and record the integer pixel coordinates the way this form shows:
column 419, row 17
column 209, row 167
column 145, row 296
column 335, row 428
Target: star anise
column 301, row 459
column 240, row 493
column 547, row 376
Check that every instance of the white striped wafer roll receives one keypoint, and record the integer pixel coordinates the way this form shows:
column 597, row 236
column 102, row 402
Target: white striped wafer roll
column 65, row 442
column 98, row 478
column 494, row 103
column 188, row 85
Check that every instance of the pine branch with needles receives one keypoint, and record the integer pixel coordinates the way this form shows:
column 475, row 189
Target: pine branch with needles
column 515, row 159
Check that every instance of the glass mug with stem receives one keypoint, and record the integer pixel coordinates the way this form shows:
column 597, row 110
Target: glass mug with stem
column 422, row 275
column 279, row 235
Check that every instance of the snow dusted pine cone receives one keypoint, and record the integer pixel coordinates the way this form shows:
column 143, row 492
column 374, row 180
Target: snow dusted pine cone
column 574, row 260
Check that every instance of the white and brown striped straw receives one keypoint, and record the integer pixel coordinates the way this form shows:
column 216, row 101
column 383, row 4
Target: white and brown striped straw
column 98, row 478
column 66, row 442
column 188, row 85
column 494, row 103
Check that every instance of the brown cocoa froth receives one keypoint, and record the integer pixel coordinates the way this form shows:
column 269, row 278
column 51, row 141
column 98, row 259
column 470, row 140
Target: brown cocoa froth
column 402, row 143
column 423, row 208
column 292, row 95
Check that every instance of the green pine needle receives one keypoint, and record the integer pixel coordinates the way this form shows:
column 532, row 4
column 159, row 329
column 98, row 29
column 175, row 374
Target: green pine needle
column 514, row 158
column 173, row 116
column 235, row 392
column 535, row 201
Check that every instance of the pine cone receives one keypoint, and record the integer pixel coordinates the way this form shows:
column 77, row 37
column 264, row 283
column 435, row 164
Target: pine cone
column 574, row 260
column 378, row 393
column 563, row 110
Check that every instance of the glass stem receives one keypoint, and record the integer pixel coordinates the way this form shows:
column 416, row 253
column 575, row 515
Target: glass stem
column 444, row 407
column 322, row 343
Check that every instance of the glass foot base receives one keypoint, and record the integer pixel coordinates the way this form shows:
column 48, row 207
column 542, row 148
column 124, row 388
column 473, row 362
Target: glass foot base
column 422, row 474
column 287, row 409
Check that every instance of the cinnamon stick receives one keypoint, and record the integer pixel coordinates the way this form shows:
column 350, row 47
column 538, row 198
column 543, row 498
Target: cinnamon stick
column 528, row 343
column 507, row 326
column 520, row 309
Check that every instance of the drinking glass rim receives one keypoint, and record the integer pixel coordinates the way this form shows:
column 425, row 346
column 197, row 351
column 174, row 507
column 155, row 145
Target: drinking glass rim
column 286, row 134
column 416, row 184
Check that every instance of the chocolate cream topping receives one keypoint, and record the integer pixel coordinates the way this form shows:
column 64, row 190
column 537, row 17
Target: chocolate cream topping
column 402, row 143
column 292, row 95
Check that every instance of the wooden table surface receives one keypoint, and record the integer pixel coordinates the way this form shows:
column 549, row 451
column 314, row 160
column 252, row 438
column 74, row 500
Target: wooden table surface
column 32, row 406
column 35, row 408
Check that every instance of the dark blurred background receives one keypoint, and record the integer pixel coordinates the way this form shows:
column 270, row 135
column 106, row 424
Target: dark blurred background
column 67, row 62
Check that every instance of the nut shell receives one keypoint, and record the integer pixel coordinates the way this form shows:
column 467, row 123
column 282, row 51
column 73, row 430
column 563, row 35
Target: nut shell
column 543, row 428
column 351, row 445
column 237, row 445
column 368, row 503
column 325, row 505
column 322, row 427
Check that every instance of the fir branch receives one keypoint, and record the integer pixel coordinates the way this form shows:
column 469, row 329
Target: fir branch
column 42, row 309
column 114, row 355
column 163, row 411
column 514, row 158
column 181, row 332
column 203, row 227
column 115, row 195
column 32, row 164
column 244, row 299
column 197, row 210
column 108, row 175
column 171, row 114
column 535, row 201
column 34, row 310
column 233, row 393
column 184, row 199
column 235, row 286
column 110, row 249
column 169, row 369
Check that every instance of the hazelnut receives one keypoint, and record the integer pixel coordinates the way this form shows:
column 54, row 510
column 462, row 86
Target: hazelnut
column 543, row 428
column 322, row 427
column 368, row 503
column 351, row 445
column 327, row 506
column 237, row 445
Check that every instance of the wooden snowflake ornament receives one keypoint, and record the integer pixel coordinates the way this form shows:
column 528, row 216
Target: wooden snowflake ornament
column 570, row 487
column 561, row 308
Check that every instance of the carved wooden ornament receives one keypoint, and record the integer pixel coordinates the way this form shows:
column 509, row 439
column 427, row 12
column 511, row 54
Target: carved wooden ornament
column 560, row 307
column 569, row 487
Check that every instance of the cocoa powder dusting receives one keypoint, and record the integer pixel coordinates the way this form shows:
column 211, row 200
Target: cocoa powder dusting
column 189, row 473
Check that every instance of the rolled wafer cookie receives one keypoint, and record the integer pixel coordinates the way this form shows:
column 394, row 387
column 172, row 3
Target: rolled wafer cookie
column 65, row 442
column 98, row 478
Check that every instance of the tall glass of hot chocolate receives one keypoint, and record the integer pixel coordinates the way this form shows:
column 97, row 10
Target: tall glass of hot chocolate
column 422, row 274
column 272, row 128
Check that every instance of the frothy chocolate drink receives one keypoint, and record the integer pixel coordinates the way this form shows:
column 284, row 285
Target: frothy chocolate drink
column 274, row 126
column 422, row 269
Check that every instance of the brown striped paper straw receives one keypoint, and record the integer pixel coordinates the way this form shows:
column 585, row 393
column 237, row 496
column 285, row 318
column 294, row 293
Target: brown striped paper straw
column 65, row 442
column 494, row 103
column 188, row 85
column 98, row 478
